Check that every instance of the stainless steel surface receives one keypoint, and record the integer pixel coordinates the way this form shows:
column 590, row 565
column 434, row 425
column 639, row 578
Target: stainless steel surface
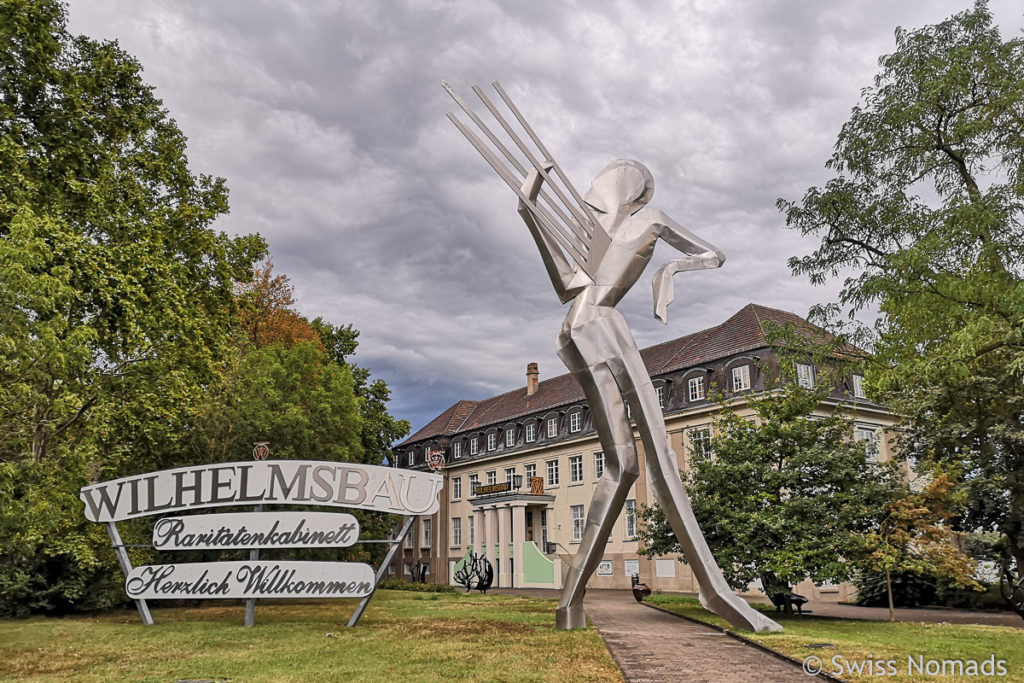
column 126, row 567
column 598, row 349
column 385, row 563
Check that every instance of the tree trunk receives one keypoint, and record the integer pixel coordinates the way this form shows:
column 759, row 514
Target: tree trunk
column 888, row 590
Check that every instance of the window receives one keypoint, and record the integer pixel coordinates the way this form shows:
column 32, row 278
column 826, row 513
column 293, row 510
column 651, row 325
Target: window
column 544, row 530
column 510, row 472
column 805, row 375
column 552, row 427
column 577, row 522
column 598, row 464
column 696, row 387
column 412, row 458
column 456, row 488
column 575, row 469
column 869, row 437
column 630, row 519
column 858, row 386
column 700, row 442
column 531, row 432
column 575, row 421
column 741, row 378
column 474, row 481
column 492, row 441
column 457, row 531
column 457, row 449
column 426, row 533
column 530, row 472
column 410, row 538
column 552, row 473
column 474, row 445
column 510, row 437
column 661, row 396
column 472, row 531
column 492, row 477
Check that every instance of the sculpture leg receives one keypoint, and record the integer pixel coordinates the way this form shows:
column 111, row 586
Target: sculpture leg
column 663, row 473
column 621, row 470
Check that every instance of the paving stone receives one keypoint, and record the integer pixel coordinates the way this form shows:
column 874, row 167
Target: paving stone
column 651, row 646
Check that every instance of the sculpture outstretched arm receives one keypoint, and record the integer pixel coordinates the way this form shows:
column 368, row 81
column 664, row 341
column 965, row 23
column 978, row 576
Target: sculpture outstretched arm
column 701, row 255
column 563, row 278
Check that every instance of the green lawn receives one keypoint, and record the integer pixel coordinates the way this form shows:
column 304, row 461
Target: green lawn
column 858, row 642
column 403, row 636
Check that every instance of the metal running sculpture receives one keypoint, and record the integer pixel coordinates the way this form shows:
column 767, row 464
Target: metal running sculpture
column 595, row 247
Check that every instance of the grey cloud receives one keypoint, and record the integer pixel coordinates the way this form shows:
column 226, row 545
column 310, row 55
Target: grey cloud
column 327, row 119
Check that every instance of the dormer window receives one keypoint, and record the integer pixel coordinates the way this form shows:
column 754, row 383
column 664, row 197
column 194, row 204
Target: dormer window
column 552, row 427
column 858, row 386
column 412, row 457
column 661, row 396
column 696, row 388
column 575, row 421
column 492, row 441
column 510, row 437
column 531, row 432
column 457, row 450
column 474, row 445
column 741, row 378
column 805, row 375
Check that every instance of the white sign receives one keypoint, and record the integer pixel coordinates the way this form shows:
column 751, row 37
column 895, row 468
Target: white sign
column 604, row 568
column 308, row 482
column 256, row 530
column 632, row 567
column 250, row 580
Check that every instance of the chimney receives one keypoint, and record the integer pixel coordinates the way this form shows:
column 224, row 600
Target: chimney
column 532, row 378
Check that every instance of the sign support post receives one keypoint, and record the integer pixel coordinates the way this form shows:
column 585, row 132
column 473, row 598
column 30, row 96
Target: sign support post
column 126, row 567
column 383, row 568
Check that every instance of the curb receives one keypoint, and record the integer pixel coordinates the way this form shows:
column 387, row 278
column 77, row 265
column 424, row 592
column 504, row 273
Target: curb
column 764, row 648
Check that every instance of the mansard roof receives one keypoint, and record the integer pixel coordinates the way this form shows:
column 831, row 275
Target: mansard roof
column 744, row 331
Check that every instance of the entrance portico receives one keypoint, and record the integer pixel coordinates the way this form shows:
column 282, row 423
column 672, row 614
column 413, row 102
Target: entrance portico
column 499, row 512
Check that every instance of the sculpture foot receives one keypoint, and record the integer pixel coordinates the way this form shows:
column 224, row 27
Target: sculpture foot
column 738, row 612
column 570, row 617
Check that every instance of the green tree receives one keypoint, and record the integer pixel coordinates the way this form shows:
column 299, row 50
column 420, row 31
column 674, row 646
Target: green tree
column 915, row 536
column 115, row 295
column 785, row 491
column 923, row 217
column 294, row 397
column 379, row 429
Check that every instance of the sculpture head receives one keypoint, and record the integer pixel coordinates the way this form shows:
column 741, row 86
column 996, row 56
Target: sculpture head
column 624, row 186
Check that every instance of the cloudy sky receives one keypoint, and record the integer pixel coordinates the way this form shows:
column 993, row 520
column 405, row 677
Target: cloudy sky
column 327, row 120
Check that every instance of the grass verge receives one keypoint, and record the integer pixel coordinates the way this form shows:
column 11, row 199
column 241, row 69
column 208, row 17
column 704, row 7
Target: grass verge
column 862, row 650
column 402, row 636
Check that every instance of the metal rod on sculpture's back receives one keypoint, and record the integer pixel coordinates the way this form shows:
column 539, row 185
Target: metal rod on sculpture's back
column 546, row 222
column 578, row 232
column 383, row 568
column 581, row 232
column 590, row 220
column 578, row 247
column 577, row 211
column 126, row 567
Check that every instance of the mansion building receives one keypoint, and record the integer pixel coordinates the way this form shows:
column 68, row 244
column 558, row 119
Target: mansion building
column 520, row 468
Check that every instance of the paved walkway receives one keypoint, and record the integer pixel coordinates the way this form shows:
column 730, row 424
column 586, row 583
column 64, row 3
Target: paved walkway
column 649, row 645
column 933, row 615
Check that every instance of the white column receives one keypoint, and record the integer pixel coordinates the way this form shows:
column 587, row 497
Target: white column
column 491, row 536
column 478, row 530
column 505, row 577
column 518, row 540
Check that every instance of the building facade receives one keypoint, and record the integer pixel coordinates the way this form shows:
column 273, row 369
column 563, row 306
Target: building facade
column 520, row 468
